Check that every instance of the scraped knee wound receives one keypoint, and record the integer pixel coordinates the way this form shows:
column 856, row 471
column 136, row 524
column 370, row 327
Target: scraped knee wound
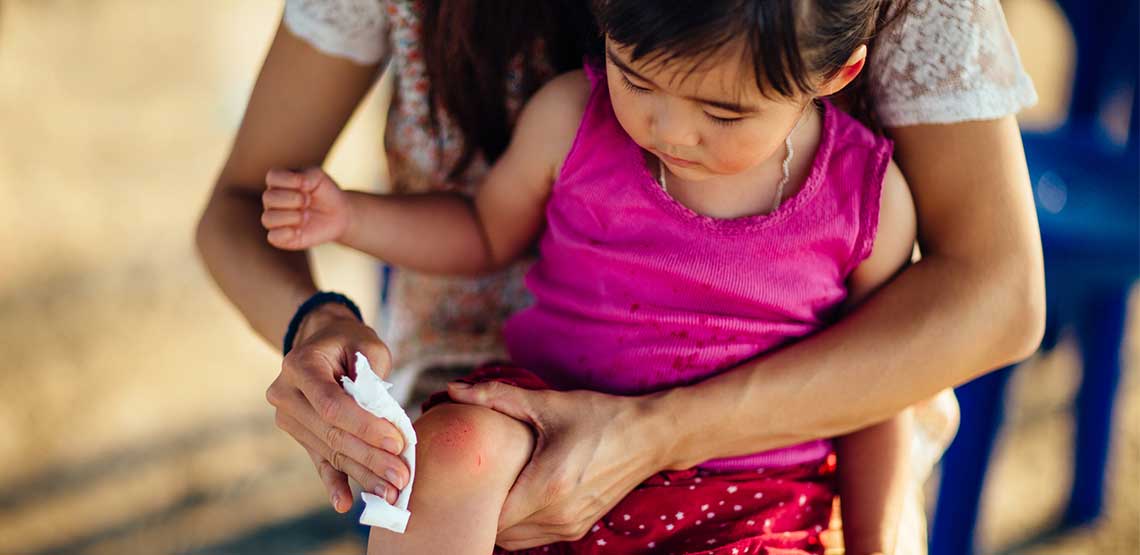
column 462, row 438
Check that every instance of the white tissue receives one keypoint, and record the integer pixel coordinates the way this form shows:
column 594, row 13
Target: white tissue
column 371, row 393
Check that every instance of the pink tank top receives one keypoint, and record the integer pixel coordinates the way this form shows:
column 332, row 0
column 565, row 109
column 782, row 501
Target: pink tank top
column 634, row 292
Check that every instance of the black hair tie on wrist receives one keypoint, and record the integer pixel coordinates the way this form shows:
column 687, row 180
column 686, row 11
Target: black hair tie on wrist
column 318, row 299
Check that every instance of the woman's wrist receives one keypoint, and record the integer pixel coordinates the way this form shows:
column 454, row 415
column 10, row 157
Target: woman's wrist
column 707, row 420
column 320, row 317
column 670, row 434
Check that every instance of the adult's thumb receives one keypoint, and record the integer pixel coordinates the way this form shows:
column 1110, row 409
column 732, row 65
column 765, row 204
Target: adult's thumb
column 512, row 401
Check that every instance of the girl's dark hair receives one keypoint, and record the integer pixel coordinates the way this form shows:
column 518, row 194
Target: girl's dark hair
column 789, row 44
column 471, row 48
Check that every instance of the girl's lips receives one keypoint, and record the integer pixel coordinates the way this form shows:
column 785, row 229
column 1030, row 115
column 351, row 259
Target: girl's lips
column 677, row 161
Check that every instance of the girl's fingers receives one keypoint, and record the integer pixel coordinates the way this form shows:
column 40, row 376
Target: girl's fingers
column 287, row 238
column 284, row 179
column 282, row 199
column 273, row 219
column 304, row 180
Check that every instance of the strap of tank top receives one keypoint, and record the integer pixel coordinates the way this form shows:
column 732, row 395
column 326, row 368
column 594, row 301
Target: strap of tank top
column 595, row 70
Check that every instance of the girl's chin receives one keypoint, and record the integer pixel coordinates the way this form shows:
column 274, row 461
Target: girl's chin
column 692, row 173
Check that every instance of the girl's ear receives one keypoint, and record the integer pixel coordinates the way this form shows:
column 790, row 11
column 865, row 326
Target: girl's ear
column 850, row 70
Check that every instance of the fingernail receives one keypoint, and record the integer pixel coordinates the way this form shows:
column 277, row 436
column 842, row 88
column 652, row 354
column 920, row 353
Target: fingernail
column 459, row 385
column 381, row 491
column 393, row 477
column 336, row 502
column 390, row 445
column 391, row 497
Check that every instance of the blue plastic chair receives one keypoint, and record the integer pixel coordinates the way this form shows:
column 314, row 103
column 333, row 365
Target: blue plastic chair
column 1086, row 187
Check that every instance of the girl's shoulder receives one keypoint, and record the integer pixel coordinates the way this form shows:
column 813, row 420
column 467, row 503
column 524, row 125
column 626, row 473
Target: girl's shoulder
column 566, row 94
column 549, row 122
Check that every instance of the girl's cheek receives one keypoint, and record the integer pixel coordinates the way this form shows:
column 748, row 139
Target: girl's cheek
column 733, row 167
column 746, row 150
column 731, row 158
column 634, row 120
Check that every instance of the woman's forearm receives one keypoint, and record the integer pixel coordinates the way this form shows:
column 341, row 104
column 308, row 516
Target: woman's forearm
column 437, row 233
column 938, row 324
column 975, row 302
column 299, row 104
column 264, row 283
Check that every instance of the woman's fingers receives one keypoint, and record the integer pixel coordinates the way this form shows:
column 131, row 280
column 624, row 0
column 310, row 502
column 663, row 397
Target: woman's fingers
column 353, row 432
column 340, row 465
column 525, row 536
column 369, row 481
column 337, row 408
column 273, row 219
column 336, row 442
column 515, row 539
column 335, row 481
column 341, row 437
column 378, row 355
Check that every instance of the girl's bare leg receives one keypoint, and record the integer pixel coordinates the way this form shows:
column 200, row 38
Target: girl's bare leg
column 467, row 459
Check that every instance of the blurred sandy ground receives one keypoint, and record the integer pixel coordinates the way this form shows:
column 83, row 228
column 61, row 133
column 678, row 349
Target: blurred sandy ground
column 132, row 417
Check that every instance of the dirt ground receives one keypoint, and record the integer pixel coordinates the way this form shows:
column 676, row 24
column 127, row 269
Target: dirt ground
column 132, row 412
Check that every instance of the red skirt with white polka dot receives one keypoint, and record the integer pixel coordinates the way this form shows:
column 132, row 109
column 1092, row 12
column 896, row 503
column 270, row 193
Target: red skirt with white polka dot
column 766, row 511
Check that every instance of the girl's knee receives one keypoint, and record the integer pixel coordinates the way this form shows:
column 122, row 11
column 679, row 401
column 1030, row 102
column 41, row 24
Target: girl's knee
column 471, row 439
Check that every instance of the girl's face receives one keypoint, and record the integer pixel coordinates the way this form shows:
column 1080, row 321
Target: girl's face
column 708, row 123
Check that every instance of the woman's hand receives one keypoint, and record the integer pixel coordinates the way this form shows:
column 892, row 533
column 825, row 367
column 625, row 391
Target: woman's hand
column 303, row 209
column 342, row 439
column 591, row 450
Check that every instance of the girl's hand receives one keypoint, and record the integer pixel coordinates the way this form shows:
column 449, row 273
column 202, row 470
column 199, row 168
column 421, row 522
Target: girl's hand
column 303, row 209
column 591, row 450
column 342, row 439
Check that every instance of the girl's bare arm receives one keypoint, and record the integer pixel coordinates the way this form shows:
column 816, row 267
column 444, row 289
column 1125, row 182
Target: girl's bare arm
column 874, row 462
column 450, row 233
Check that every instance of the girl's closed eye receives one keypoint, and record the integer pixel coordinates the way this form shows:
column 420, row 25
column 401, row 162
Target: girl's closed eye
column 725, row 121
column 631, row 86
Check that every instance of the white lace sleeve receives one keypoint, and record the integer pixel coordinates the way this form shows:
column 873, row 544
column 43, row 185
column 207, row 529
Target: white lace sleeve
column 948, row 61
column 352, row 29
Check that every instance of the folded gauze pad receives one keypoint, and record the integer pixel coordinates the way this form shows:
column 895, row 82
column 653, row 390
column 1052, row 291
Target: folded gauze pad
column 371, row 393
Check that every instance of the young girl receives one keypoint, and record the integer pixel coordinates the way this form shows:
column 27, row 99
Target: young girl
column 699, row 207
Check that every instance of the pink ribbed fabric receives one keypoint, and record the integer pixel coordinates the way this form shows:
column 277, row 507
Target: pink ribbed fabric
column 635, row 293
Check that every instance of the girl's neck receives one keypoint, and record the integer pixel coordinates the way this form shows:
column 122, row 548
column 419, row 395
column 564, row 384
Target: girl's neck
column 752, row 191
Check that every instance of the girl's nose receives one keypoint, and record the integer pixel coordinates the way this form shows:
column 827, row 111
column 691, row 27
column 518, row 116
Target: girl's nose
column 673, row 129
